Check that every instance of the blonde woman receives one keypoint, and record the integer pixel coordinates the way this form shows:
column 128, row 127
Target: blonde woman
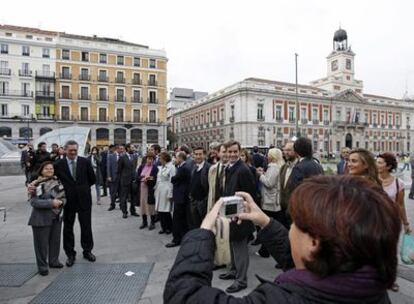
column 270, row 189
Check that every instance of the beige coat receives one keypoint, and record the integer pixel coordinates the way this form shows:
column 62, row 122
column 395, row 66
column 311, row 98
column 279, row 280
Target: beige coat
column 271, row 188
column 164, row 187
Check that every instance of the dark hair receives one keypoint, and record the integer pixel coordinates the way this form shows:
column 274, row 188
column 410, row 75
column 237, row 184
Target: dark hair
column 185, row 148
column 390, row 160
column 368, row 159
column 248, row 156
column 40, row 144
column 232, row 143
column 111, row 146
column 70, row 143
column 150, row 155
column 165, row 156
column 200, row 148
column 156, row 147
column 54, row 145
column 182, row 155
column 355, row 221
column 221, row 145
column 44, row 164
column 303, row 147
column 255, row 149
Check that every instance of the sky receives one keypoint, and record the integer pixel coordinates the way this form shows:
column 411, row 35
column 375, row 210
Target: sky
column 213, row 44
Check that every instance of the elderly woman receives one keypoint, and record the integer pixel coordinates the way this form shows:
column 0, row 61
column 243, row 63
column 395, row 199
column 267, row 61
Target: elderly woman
column 337, row 250
column 163, row 192
column 47, row 202
column 270, row 181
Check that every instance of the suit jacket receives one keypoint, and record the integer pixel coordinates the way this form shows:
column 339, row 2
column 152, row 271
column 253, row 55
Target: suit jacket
column 125, row 170
column 305, row 168
column 181, row 184
column 284, row 190
column 340, row 167
column 150, row 184
column 104, row 163
column 78, row 192
column 204, row 175
column 112, row 166
column 240, row 178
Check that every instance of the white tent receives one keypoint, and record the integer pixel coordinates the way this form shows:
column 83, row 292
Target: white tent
column 61, row 135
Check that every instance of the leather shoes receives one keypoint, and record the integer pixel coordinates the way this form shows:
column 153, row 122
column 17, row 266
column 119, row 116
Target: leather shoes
column 235, row 287
column 124, row 215
column 217, row 267
column 58, row 265
column 89, row 256
column 135, row 214
column 111, row 208
column 172, row 244
column 44, row 272
column 227, row 276
column 70, row 261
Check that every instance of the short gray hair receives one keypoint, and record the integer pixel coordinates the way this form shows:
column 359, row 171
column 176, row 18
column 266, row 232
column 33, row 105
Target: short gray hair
column 182, row 155
column 71, row 143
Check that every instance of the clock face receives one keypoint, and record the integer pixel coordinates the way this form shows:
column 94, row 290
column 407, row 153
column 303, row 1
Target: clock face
column 334, row 65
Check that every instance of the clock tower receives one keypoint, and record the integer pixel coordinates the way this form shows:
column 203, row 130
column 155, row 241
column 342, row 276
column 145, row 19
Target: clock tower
column 340, row 67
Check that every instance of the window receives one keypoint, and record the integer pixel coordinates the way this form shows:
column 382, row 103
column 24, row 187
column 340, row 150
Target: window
column 102, row 94
column 137, row 61
column 4, row 68
column 84, row 113
column 4, row 111
column 278, row 113
column 303, row 113
column 137, row 116
column 25, row 69
column 153, row 64
column 338, row 115
column 119, row 95
column 152, row 97
column 152, row 116
column 25, row 110
column 85, row 56
column 102, row 75
column 120, row 77
column 26, row 89
column 9, row 34
column 65, row 54
column 390, row 119
column 397, row 121
column 315, row 114
column 102, row 114
column 291, row 114
column 46, row 53
column 65, row 92
column 120, row 60
column 136, row 79
column 45, row 111
column 4, row 88
column 64, row 111
column 25, row 50
column 84, row 93
column 152, row 81
column 29, row 36
column 260, row 111
column 232, row 112
column 374, row 118
column 65, row 73
column 325, row 115
column 119, row 114
column 348, row 64
column 334, row 65
column 102, row 58
column 84, row 74
column 382, row 119
column 4, row 48
column 136, row 96
column 46, row 69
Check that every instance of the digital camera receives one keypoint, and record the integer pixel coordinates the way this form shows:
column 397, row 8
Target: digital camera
column 232, row 205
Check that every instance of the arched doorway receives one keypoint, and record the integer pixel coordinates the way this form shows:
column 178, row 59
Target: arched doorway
column 348, row 141
column 119, row 136
column 102, row 137
column 136, row 136
column 152, row 136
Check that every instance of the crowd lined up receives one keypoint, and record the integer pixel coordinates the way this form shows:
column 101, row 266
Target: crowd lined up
column 282, row 190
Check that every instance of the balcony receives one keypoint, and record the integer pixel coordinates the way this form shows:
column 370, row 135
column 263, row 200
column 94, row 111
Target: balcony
column 102, row 97
column 279, row 134
column 340, row 124
column 16, row 93
column 137, row 81
column 303, row 121
column 120, row 80
column 102, row 78
column 84, row 96
column 5, row 72
column 326, row 122
column 45, row 94
column 45, row 116
column 119, row 98
column 389, row 126
column 65, row 95
column 152, row 83
column 136, row 99
column 292, row 120
column 85, row 77
column 315, row 121
column 279, row 119
column 231, row 119
column 153, row 101
column 25, row 73
column 67, row 76
column 45, row 74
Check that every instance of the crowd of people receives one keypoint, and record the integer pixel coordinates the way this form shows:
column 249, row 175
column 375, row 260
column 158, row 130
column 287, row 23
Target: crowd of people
column 183, row 190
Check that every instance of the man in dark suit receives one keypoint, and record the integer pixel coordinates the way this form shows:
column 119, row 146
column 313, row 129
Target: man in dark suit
column 306, row 166
column 126, row 172
column 199, row 187
column 238, row 178
column 104, row 163
column 181, row 181
column 112, row 176
column 342, row 166
column 259, row 161
column 77, row 176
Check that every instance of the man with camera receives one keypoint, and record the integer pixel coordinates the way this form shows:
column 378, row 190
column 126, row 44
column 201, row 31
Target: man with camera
column 238, row 177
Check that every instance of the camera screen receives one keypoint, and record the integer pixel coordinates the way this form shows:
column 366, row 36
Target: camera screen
column 231, row 209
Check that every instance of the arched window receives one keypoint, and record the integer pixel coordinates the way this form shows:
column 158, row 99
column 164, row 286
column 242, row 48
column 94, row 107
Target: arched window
column 152, row 136
column 136, row 136
column 119, row 136
column 5, row 132
column 102, row 134
column 25, row 132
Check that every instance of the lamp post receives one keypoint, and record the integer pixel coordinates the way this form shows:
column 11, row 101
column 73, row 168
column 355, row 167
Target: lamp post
column 297, row 101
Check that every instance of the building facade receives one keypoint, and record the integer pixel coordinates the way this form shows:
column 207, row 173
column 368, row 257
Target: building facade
column 333, row 112
column 180, row 98
column 116, row 88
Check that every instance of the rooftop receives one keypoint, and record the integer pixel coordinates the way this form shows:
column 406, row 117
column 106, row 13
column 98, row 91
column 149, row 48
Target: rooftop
column 27, row 30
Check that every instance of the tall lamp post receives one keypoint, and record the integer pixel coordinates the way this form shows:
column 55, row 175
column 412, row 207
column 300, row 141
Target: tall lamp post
column 297, row 101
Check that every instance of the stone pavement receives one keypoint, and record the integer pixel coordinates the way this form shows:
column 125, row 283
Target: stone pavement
column 117, row 240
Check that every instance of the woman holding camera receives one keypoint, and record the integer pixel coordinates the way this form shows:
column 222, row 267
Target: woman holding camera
column 336, row 251
column 47, row 202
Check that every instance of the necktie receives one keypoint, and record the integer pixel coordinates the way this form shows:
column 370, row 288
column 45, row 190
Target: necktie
column 74, row 170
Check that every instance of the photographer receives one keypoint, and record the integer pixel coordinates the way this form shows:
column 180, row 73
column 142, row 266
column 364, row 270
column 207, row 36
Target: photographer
column 330, row 251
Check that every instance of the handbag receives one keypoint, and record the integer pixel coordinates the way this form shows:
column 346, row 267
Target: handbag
column 407, row 249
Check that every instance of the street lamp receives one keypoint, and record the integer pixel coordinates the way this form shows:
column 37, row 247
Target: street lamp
column 297, row 102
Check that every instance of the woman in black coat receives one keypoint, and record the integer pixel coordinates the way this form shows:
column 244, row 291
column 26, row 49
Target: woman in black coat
column 341, row 248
